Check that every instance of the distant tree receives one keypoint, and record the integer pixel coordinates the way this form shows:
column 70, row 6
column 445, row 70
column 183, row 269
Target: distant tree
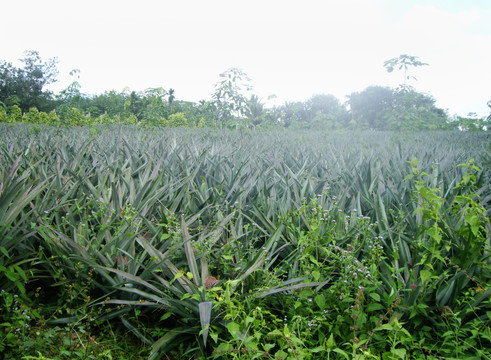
column 72, row 96
column 369, row 107
column 110, row 103
column 412, row 110
column 171, row 97
column 254, row 110
column 383, row 108
column 293, row 113
column 403, row 62
column 25, row 86
column 156, row 106
column 473, row 123
column 230, row 96
column 136, row 105
column 322, row 103
column 177, row 120
column 325, row 110
column 207, row 113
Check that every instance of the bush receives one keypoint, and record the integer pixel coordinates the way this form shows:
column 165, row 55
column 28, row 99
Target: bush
column 177, row 120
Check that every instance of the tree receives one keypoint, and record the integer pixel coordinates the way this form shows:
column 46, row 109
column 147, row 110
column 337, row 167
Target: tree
column 229, row 97
column 383, row 108
column 415, row 111
column 293, row 113
column 177, row 120
column 325, row 110
column 171, row 97
column 369, row 107
column 403, row 61
column 136, row 105
column 25, row 86
column 72, row 96
column 156, row 107
column 254, row 110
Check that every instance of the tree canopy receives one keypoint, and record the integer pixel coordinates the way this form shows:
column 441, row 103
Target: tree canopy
column 383, row 108
column 24, row 97
column 25, row 86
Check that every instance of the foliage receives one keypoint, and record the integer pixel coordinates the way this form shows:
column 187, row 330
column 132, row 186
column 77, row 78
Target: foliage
column 177, row 120
column 25, row 335
column 369, row 106
column 403, row 62
column 229, row 97
column 25, row 86
column 297, row 244
column 472, row 123
column 403, row 109
column 255, row 111
column 232, row 105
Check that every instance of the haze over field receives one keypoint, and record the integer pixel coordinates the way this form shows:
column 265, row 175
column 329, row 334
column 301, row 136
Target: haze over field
column 288, row 48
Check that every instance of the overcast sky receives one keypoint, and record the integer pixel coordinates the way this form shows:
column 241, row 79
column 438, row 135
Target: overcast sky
column 292, row 49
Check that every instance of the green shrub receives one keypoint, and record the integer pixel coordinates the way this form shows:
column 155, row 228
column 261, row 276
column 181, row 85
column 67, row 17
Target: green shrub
column 177, row 120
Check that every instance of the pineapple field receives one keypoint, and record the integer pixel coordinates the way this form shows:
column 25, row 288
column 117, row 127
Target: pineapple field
column 222, row 244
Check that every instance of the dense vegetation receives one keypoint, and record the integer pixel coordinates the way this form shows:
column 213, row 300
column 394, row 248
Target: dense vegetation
column 220, row 244
column 24, row 98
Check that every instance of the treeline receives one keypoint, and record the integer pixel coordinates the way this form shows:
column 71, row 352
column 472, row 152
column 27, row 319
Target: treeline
column 24, row 98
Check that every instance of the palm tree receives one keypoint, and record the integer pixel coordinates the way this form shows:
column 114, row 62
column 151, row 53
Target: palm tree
column 254, row 110
column 171, row 97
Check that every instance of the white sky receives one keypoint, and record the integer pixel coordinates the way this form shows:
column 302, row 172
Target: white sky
column 293, row 49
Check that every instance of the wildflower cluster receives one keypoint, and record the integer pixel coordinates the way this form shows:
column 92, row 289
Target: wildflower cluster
column 17, row 318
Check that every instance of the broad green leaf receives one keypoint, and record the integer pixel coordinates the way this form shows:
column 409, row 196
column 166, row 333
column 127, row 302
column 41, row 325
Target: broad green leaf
column 233, row 329
column 425, row 275
column 320, row 300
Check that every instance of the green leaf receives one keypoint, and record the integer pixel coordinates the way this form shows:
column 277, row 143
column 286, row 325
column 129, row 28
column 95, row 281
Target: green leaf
column 205, row 316
column 189, row 251
column 4, row 251
column 214, row 336
column 425, row 275
column 341, row 352
column 320, row 300
column 280, row 354
column 384, row 327
column 233, row 329
column 21, row 272
column 165, row 316
column 165, row 342
column 401, row 353
column 375, row 296
column 13, row 276
column 330, row 343
column 374, row 307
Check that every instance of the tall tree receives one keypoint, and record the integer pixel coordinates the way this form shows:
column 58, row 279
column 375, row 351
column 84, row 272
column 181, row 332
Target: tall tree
column 403, row 62
column 230, row 96
column 368, row 107
column 26, row 86
column 415, row 111
column 293, row 113
column 156, row 107
column 254, row 110
column 326, row 110
column 171, row 97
